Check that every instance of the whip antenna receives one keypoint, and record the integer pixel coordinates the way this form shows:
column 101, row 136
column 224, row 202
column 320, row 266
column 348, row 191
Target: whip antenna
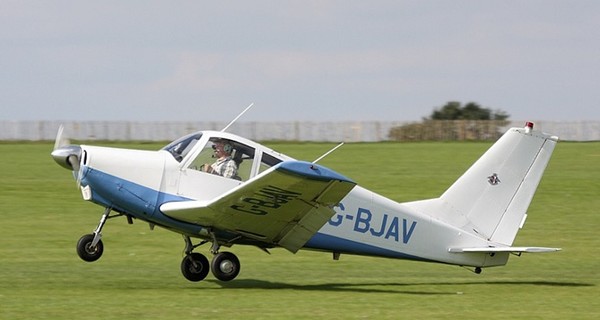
column 328, row 152
column 239, row 115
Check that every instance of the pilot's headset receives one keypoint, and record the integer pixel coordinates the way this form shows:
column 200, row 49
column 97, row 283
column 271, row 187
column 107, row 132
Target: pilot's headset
column 227, row 147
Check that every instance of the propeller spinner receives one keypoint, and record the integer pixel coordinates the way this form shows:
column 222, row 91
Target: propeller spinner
column 66, row 155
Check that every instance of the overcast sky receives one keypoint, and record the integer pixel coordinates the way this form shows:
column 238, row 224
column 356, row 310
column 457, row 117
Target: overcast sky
column 297, row 60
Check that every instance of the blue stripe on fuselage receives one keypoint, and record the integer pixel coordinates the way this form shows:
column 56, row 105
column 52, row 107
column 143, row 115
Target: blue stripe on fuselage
column 134, row 199
column 326, row 242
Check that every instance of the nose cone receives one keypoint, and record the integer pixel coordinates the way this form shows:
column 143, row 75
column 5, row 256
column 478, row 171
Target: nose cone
column 67, row 156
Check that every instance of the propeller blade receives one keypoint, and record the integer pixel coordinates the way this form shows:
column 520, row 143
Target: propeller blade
column 75, row 162
column 67, row 155
column 61, row 141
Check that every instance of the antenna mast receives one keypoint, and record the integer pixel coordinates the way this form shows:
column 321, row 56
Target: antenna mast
column 235, row 119
column 328, row 152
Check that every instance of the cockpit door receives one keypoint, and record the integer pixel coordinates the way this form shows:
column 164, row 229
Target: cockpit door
column 200, row 180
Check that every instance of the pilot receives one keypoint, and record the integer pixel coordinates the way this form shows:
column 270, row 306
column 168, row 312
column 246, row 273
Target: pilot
column 224, row 166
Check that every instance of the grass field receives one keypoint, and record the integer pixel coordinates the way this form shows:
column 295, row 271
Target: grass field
column 42, row 216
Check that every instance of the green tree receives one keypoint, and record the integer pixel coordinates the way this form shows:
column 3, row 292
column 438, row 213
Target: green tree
column 471, row 111
column 454, row 121
column 451, row 111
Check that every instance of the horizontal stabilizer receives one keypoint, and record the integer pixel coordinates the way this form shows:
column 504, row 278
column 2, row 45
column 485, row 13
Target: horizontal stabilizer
column 503, row 249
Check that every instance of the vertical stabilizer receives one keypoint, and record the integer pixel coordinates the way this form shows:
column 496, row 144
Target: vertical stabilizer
column 491, row 198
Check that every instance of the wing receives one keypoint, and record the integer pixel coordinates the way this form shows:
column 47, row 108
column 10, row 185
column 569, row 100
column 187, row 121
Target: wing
column 285, row 205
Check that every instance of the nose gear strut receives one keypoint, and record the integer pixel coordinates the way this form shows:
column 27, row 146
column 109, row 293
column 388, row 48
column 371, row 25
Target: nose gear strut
column 90, row 246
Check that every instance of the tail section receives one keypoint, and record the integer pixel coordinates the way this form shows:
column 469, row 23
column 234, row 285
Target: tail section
column 491, row 198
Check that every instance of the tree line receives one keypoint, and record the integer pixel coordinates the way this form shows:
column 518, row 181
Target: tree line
column 454, row 121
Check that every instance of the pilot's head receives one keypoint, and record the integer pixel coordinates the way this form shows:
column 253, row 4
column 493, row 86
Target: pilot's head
column 223, row 148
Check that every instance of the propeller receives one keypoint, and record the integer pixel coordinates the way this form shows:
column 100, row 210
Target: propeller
column 60, row 140
column 67, row 155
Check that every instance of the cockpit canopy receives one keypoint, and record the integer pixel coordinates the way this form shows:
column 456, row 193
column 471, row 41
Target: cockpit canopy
column 196, row 151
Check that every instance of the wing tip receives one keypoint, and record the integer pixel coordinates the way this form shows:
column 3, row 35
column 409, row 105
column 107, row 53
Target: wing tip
column 312, row 171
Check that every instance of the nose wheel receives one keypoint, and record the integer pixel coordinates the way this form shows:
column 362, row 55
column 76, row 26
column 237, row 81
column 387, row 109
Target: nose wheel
column 90, row 247
column 87, row 251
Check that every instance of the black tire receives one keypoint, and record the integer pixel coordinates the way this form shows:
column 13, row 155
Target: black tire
column 225, row 266
column 194, row 267
column 85, row 250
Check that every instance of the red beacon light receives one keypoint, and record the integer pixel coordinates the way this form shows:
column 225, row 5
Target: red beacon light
column 528, row 126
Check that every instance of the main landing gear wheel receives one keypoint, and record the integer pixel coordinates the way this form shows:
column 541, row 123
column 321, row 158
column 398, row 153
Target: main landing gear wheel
column 194, row 267
column 86, row 251
column 225, row 266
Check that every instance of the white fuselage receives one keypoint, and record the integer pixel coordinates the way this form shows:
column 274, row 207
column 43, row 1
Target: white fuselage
column 364, row 223
column 473, row 223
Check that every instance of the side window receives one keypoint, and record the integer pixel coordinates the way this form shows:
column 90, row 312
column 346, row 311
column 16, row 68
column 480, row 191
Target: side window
column 219, row 152
column 267, row 161
column 243, row 156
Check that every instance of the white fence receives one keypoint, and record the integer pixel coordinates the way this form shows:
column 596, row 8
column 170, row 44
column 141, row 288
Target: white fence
column 359, row 131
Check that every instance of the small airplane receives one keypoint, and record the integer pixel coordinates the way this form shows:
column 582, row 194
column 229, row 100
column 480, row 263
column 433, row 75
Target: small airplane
column 270, row 200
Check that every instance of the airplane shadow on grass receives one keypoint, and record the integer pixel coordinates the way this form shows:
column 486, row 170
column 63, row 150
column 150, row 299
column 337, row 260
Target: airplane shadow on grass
column 382, row 287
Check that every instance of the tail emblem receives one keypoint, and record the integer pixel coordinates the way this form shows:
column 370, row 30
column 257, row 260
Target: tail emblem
column 493, row 179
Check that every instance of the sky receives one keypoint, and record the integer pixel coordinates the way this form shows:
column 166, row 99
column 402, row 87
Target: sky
column 297, row 60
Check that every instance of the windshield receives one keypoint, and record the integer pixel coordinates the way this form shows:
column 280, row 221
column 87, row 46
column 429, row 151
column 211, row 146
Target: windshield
column 180, row 147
